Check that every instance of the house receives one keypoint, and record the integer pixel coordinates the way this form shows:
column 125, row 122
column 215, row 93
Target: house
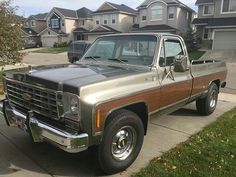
column 64, row 25
column 168, row 16
column 216, row 23
column 84, row 24
column 32, row 26
column 60, row 23
column 111, row 18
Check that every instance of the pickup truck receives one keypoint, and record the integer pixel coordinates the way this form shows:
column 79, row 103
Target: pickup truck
column 106, row 99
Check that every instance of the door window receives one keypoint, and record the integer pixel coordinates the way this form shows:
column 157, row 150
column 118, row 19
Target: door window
column 170, row 50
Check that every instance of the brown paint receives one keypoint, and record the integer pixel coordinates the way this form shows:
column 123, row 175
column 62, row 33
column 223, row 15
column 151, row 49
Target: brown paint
column 200, row 84
column 159, row 97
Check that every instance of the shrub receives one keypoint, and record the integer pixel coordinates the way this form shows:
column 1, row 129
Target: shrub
column 58, row 45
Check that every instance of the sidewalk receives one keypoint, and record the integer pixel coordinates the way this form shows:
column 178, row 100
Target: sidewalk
column 20, row 157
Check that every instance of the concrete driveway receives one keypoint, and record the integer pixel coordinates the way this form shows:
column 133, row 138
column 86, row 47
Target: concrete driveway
column 229, row 56
column 19, row 157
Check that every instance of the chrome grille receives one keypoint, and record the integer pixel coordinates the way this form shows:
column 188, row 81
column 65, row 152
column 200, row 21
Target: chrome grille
column 41, row 101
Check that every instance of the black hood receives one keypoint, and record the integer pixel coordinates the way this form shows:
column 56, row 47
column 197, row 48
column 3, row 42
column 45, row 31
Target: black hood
column 69, row 78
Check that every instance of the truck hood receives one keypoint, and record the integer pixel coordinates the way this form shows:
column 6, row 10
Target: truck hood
column 69, row 78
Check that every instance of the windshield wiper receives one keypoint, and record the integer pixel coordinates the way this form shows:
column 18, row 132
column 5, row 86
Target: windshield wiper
column 92, row 57
column 119, row 60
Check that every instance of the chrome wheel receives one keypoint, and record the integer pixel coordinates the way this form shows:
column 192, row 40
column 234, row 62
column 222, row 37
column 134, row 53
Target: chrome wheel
column 213, row 99
column 123, row 143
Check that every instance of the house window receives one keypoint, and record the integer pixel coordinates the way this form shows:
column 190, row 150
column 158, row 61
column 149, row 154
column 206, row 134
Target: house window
column 206, row 33
column 113, row 19
column 157, row 13
column 97, row 21
column 83, row 22
column 208, row 10
column 171, row 14
column 144, row 18
column 229, row 6
column 26, row 24
column 105, row 19
column 55, row 23
column 33, row 23
column 63, row 23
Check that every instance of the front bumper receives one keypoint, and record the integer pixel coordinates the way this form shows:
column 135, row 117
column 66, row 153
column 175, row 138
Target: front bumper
column 40, row 132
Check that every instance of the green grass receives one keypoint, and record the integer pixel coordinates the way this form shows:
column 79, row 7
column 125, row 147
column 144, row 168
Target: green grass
column 210, row 153
column 196, row 55
column 52, row 50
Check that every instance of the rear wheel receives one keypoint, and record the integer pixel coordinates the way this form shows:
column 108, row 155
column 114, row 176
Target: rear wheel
column 121, row 142
column 207, row 105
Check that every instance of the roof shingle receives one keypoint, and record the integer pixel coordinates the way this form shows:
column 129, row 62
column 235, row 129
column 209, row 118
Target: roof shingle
column 84, row 13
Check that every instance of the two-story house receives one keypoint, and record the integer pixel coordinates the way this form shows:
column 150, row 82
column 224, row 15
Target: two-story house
column 216, row 23
column 32, row 26
column 60, row 23
column 111, row 18
column 167, row 16
column 64, row 25
column 84, row 24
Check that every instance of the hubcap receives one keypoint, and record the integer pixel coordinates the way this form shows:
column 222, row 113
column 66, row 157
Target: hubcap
column 213, row 99
column 123, row 143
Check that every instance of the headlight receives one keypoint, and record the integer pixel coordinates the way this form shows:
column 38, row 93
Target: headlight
column 71, row 106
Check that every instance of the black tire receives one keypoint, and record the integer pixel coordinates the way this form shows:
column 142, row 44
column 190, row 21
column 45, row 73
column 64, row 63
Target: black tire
column 120, row 122
column 207, row 105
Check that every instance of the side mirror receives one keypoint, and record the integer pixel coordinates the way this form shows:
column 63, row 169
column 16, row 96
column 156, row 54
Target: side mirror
column 181, row 63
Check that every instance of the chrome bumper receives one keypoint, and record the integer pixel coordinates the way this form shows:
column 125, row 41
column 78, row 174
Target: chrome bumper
column 72, row 143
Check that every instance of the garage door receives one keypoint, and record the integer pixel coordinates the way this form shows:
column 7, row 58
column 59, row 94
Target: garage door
column 225, row 40
column 48, row 41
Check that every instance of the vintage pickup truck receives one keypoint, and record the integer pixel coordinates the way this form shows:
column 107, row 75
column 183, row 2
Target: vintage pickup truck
column 106, row 99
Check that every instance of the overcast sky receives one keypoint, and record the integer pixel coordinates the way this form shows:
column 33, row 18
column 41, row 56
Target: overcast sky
column 28, row 7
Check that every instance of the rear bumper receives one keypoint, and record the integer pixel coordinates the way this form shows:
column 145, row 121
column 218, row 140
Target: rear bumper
column 40, row 132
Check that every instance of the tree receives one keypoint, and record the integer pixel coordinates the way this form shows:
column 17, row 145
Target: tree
column 191, row 40
column 10, row 34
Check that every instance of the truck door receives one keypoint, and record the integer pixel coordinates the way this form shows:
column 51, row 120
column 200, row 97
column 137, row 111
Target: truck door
column 175, row 86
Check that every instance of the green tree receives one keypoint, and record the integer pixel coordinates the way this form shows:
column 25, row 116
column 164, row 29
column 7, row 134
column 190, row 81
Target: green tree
column 10, row 34
column 191, row 40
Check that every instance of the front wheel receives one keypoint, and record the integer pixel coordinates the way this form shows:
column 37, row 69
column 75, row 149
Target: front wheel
column 207, row 105
column 121, row 142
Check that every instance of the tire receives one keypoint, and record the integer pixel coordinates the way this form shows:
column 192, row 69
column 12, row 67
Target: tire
column 124, row 132
column 207, row 105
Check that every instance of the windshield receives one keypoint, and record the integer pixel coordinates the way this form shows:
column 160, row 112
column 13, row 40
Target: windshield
column 134, row 49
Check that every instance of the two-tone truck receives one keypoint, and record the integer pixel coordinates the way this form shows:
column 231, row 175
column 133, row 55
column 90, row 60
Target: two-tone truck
column 106, row 98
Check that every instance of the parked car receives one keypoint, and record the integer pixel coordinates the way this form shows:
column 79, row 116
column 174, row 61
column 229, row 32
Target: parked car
column 107, row 98
column 77, row 49
column 32, row 44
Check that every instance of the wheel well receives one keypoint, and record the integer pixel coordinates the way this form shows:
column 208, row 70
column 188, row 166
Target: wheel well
column 217, row 82
column 141, row 110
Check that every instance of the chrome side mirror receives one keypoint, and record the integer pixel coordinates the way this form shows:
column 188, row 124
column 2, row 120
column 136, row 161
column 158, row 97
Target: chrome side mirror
column 181, row 63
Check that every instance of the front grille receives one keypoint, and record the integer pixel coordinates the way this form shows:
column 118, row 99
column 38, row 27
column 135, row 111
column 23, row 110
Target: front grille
column 41, row 101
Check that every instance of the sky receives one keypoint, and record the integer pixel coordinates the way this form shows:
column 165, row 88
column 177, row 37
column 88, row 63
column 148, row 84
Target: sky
column 30, row 7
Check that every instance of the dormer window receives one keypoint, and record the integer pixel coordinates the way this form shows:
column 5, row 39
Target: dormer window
column 33, row 23
column 208, row 10
column 156, row 13
column 228, row 6
column 55, row 23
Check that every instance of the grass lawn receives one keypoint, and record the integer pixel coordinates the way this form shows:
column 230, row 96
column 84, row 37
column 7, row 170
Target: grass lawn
column 196, row 55
column 210, row 153
column 52, row 50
